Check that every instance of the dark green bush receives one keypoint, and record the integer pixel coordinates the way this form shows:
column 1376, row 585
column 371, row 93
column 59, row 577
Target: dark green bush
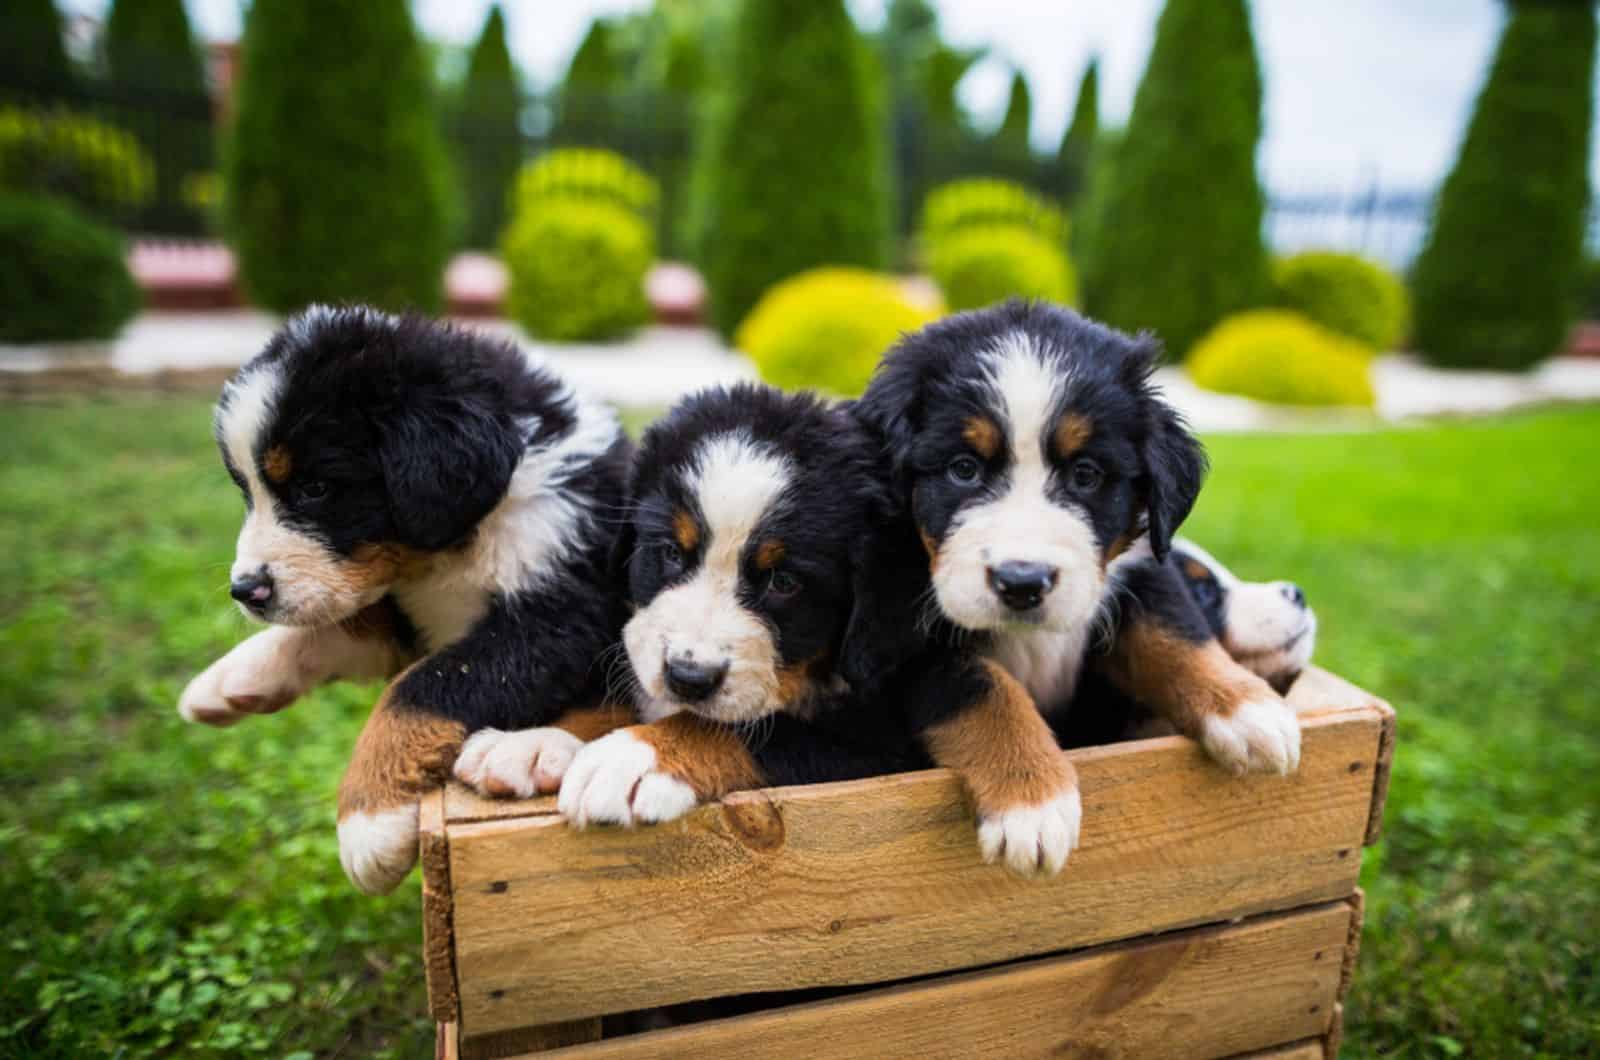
column 488, row 136
column 792, row 171
column 1345, row 293
column 1077, row 143
column 1177, row 245
column 981, row 266
column 336, row 184
column 31, row 50
column 577, row 269
column 58, row 153
column 1493, row 285
column 1014, row 127
column 62, row 276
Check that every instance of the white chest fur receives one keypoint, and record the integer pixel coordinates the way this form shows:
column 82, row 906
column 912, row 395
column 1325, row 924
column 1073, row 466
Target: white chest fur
column 1046, row 663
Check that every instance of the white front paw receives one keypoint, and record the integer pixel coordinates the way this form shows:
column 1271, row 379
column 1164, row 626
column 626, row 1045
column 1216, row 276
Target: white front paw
column 378, row 849
column 516, row 765
column 1033, row 840
column 1261, row 735
column 614, row 781
column 259, row 676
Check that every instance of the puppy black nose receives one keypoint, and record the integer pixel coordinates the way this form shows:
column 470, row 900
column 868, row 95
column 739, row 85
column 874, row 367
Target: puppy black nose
column 1020, row 585
column 694, row 681
column 253, row 590
column 1293, row 593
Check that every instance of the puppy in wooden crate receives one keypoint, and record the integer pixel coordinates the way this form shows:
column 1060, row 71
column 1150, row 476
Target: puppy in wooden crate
column 1040, row 479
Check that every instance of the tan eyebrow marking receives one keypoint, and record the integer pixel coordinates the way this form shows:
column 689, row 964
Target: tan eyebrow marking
column 277, row 464
column 1072, row 432
column 770, row 553
column 984, row 437
column 685, row 530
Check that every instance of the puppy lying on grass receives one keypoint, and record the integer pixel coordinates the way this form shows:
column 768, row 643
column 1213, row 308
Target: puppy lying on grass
column 424, row 505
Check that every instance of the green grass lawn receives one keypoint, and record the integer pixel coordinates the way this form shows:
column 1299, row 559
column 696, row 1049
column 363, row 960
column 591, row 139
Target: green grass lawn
column 171, row 887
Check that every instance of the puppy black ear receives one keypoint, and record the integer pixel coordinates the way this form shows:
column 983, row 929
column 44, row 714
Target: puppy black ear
column 621, row 554
column 447, row 460
column 888, row 411
column 885, row 630
column 1174, row 461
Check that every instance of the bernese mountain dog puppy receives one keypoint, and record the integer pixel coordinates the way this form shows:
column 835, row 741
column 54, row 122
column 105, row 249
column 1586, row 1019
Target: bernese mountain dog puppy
column 1033, row 460
column 750, row 513
column 424, row 504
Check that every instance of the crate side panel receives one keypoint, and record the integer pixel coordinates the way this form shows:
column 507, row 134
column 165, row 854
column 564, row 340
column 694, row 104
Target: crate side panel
column 878, row 880
column 1209, row 992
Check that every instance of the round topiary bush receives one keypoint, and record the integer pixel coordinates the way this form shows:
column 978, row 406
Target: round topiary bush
column 983, row 202
column 1344, row 293
column 62, row 276
column 590, row 174
column 1282, row 357
column 981, row 266
column 827, row 328
column 59, row 153
column 577, row 269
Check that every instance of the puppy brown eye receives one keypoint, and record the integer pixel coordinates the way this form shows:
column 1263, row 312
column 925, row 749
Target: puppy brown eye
column 965, row 470
column 1087, row 476
column 671, row 559
column 783, row 584
column 312, row 490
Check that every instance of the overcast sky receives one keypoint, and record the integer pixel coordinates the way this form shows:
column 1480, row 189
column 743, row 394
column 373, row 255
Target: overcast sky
column 1357, row 90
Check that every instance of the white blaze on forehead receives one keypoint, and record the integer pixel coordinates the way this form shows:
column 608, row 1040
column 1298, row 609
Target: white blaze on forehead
column 736, row 484
column 243, row 418
column 1027, row 389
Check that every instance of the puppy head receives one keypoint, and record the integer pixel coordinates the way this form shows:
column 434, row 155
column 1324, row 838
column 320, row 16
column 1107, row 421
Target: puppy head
column 749, row 508
column 1033, row 451
column 1266, row 626
column 361, row 443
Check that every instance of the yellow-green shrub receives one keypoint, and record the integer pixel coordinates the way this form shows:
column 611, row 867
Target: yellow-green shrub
column 1280, row 356
column 1344, row 293
column 591, row 175
column 980, row 266
column 826, row 328
column 60, row 153
column 577, row 269
column 982, row 202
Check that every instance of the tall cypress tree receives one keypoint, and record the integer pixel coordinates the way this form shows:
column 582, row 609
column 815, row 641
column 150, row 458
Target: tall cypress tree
column 1013, row 133
column 1078, row 142
column 336, row 178
column 488, row 134
column 593, row 78
column 1493, row 286
column 150, row 47
column 792, row 172
column 1178, row 245
column 31, row 47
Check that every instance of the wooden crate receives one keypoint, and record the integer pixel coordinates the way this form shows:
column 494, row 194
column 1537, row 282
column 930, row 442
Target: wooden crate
column 1202, row 916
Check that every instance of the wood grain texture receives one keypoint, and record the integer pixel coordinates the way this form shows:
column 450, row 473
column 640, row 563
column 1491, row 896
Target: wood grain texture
column 1310, row 1049
column 438, row 936
column 532, row 1041
column 1380, row 775
column 877, row 880
column 1209, row 992
column 1352, row 946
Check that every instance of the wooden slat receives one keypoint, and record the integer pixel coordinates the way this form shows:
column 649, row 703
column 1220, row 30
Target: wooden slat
column 1310, row 1049
column 1333, row 1041
column 1380, row 775
column 530, row 1040
column 876, row 880
column 1352, row 945
column 1210, row 992
column 462, row 805
column 438, row 937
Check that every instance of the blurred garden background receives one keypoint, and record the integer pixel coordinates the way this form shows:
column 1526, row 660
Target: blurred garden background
column 1363, row 232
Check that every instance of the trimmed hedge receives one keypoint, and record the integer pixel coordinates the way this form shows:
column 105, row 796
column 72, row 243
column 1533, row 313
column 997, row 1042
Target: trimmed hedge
column 488, row 134
column 827, row 328
column 62, row 276
column 1177, row 244
column 577, row 270
column 336, row 180
column 1493, row 285
column 149, row 47
column 590, row 174
column 1345, row 293
column 1018, row 121
column 981, row 266
column 59, row 153
column 1077, row 143
column 1279, row 356
column 792, row 171
column 981, row 202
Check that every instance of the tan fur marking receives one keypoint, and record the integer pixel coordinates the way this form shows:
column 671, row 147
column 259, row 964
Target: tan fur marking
column 1195, row 569
column 797, row 682
column 1183, row 681
column 685, row 530
column 770, row 553
column 277, row 464
column 1115, row 549
column 401, row 754
column 1072, row 432
column 984, row 437
column 591, row 723
column 379, row 621
column 1002, row 748
column 708, row 757
column 932, row 548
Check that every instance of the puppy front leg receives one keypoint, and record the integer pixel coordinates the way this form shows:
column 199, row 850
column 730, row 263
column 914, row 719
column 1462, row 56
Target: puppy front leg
column 269, row 670
column 656, row 772
column 523, row 763
column 1026, row 790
